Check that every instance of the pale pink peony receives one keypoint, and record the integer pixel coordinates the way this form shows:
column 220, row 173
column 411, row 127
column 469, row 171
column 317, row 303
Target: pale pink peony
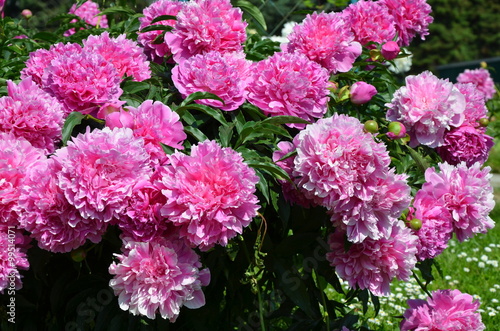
column 156, row 49
column 31, row 113
column 427, row 106
column 466, row 192
column 83, row 81
column 370, row 22
column 449, row 310
column 44, row 211
column 16, row 156
column 466, row 144
column 210, row 194
column 481, row 78
column 99, row 170
column 475, row 105
column 207, row 25
column 373, row 264
column 411, row 17
column 289, row 84
column 125, row 55
column 159, row 276
column 327, row 39
column 88, row 12
column 361, row 92
column 12, row 260
column 224, row 74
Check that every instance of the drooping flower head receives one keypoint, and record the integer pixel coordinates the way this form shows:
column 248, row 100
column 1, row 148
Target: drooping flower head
column 373, row 264
column 427, row 106
column 159, row 276
column 326, row 39
column 444, row 310
column 289, row 84
column 11, row 261
column 99, row 170
column 210, row 194
column 88, row 12
column 481, row 78
column 207, row 25
column 411, row 17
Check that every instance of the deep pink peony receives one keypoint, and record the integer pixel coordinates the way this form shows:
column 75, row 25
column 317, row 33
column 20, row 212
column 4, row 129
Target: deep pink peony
column 447, row 310
column 427, row 106
column 125, row 55
column 156, row 49
column 31, row 113
column 158, row 277
column 411, row 17
column 207, row 25
column 289, row 84
column 373, row 264
column 466, row 192
column 481, row 78
column 224, row 74
column 83, row 81
column 475, row 105
column 45, row 212
column 210, row 194
column 99, row 170
column 16, row 156
column 88, row 12
column 361, row 92
column 466, row 144
column 327, row 39
column 370, row 22
column 11, row 261
column 390, row 50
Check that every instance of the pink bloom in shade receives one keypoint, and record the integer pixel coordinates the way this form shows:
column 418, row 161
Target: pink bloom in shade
column 447, row 310
column 481, row 78
column 411, row 17
column 159, row 276
column 466, row 192
column 44, row 211
column 125, row 55
column 361, row 92
column 11, row 261
column 16, row 156
column 210, row 194
column 466, row 144
column 390, row 50
column 427, row 106
column 99, row 170
column 154, row 49
column 40, row 59
column 83, row 81
column 475, row 105
column 207, row 25
column 88, row 12
column 224, row 74
column 31, row 113
column 289, row 84
column 373, row 264
column 327, row 39
column 370, row 22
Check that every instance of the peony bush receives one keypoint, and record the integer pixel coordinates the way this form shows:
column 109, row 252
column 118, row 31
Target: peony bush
column 171, row 168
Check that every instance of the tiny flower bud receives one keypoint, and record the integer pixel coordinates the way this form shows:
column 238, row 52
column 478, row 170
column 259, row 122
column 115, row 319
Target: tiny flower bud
column 375, row 55
column 484, row 122
column 416, row 224
column 361, row 92
column 371, row 126
column 390, row 50
column 484, row 65
column 27, row 14
column 396, row 130
column 78, row 255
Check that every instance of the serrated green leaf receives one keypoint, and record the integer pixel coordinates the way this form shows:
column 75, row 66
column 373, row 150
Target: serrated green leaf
column 73, row 119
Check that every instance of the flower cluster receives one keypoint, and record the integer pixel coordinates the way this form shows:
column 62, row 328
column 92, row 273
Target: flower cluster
column 481, row 78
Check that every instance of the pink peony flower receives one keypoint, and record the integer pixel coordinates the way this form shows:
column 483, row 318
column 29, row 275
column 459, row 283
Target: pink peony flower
column 88, row 12
column 11, row 261
column 327, row 39
column 16, row 156
column 158, row 277
column 44, row 211
column 390, row 50
column 427, row 106
column 224, row 74
column 444, row 310
column 31, row 113
column 289, row 84
column 411, row 17
column 210, row 194
column 466, row 192
column 83, row 81
column 125, row 55
column 99, row 170
column 207, row 25
column 373, row 264
column 370, row 22
column 466, row 144
column 475, row 105
column 156, row 49
column 481, row 78
column 361, row 92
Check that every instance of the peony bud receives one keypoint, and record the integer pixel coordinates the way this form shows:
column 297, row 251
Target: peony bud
column 27, row 14
column 396, row 130
column 78, row 255
column 371, row 126
column 483, row 122
column 416, row 224
column 375, row 55
column 362, row 92
column 390, row 50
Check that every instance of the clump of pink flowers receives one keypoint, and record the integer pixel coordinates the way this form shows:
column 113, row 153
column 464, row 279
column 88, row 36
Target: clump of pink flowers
column 88, row 12
column 481, row 78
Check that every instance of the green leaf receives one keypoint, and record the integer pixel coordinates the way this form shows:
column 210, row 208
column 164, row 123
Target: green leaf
column 157, row 27
column 212, row 112
column 253, row 11
column 270, row 167
column 225, row 134
column 46, row 36
column 277, row 120
column 73, row 119
column 133, row 87
column 262, row 186
column 163, row 18
column 199, row 96
column 195, row 132
column 116, row 10
column 419, row 160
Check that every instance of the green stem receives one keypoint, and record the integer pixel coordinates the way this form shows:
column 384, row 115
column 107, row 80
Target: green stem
column 422, row 286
